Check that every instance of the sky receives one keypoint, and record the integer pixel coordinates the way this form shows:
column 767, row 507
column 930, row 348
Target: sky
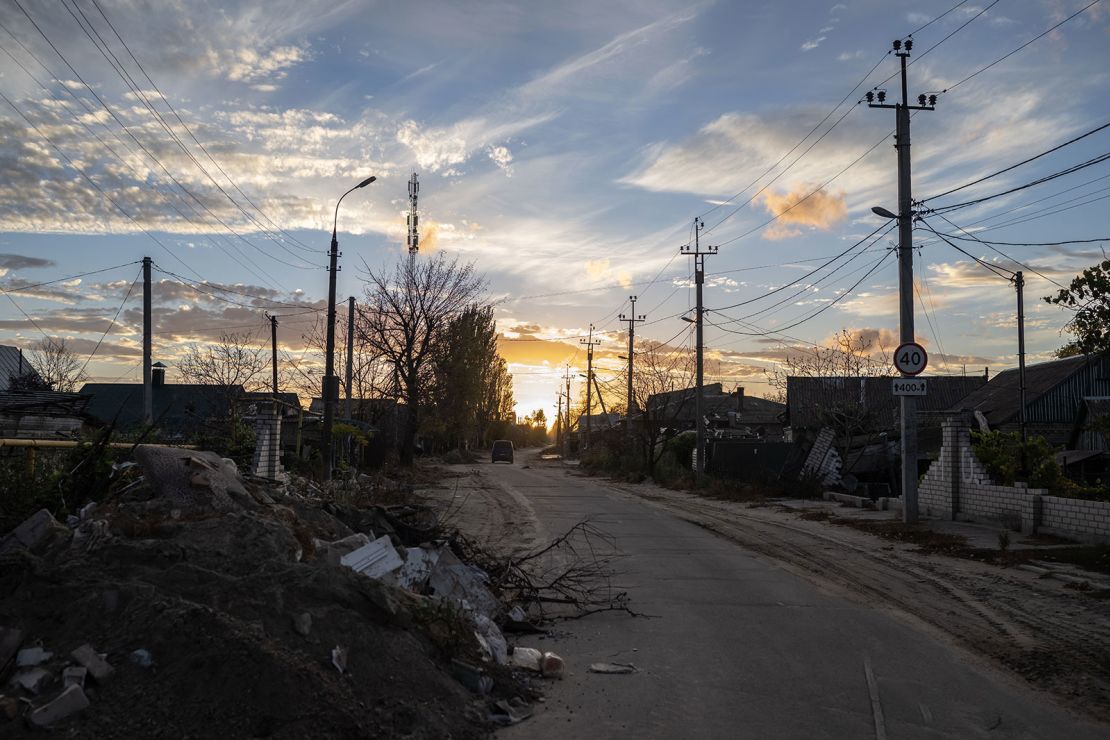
column 564, row 148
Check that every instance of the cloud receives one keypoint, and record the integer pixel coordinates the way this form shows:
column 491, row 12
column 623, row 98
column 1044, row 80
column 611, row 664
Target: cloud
column 813, row 43
column 597, row 269
column 820, row 210
column 502, row 157
column 22, row 262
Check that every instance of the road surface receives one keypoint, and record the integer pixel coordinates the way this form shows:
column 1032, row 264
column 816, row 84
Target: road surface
column 737, row 645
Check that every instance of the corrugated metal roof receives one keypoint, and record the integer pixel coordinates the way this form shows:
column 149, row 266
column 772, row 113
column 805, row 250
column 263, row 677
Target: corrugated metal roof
column 1000, row 399
column 809, row 399
column 177, row 407
column 46, row 403
column 10, row 365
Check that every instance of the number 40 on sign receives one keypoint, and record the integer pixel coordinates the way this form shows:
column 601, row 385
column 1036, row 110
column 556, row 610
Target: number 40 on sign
column 910, row 358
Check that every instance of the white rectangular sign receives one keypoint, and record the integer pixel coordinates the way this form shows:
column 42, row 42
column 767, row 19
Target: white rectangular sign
column 909, row 386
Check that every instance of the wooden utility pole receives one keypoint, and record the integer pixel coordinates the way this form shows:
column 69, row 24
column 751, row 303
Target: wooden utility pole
column 274, row 360
column 566, row 432
column 148, row 390
column 905, row 268
column 632, row 319
column 350, row 350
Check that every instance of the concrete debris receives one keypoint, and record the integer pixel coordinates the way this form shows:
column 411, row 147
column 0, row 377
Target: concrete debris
column 91, row 534
column 10, row 640
column 377, row 560
column 332, row 552
column 302, row 623
column 34, row 531
column 527, row 658
column 99, row 668
column 464, row 584
column 551, row 666
column 491, row 640
column 419, row 562
column 69, row 702
column 32, row 680
column 613, row 668
column 510, row 711
column 74, row 676
column 191, row 478
column 141, row 658
column 516, row 614
column 32, row 656
column 87, row 510
column 339, row 658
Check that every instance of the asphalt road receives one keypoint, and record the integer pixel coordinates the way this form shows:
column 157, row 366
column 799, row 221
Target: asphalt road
column 738, row 647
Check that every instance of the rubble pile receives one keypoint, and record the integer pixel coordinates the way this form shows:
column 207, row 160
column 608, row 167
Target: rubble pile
column 194, row 602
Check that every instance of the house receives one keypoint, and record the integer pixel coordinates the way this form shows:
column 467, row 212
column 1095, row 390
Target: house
column 181, row 410
column 728, row 415
column 1055, row 392
column 1092, row 425
column 12, row 365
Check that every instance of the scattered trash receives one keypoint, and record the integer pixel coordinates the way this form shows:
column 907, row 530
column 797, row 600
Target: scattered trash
column 68, row 703
column 376, row 560
column 333, row 552
column 471, row 677
column 419, row 562
column 527, row 658
column 87, row 510
column 491, row 639
column 32, row 656
column 74, row 676
column 98, row 667
column 339, row 658
column 33, row 679
column 510, row 711
column 464, row 584
column 302, row 623
column 141, row 658
column 551, row 666
column 614, row 668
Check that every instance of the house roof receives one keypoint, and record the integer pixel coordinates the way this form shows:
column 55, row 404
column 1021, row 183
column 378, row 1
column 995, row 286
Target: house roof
column 359, row 406
column 42, row 403
column 808, row 399
column 10, row 365
column 177, row 406
column 999, row 400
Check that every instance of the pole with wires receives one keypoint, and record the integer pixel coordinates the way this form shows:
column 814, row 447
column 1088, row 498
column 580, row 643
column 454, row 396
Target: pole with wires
column 590, row 344
column 699, row 401
column 905, row 268
column 148, row 389
column 632, row 320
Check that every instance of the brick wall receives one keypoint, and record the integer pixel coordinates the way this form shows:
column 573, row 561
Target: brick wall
column 958, row 486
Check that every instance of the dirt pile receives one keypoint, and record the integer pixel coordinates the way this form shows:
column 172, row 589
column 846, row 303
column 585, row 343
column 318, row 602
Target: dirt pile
column 207, row 597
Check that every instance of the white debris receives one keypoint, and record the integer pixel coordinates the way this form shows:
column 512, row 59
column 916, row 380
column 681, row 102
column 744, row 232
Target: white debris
column 491, row 639
column 32, row 656
column 418, row 566
column 377, row 560
column 527, row 658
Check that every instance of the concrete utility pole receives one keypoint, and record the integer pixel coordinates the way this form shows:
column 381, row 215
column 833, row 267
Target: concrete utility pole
column 632, row 318
column 350, row 351
column 590, row 344
column 148, row 390
column 559, row 420
column 905, row 268
column 566, row 432
column 1019, row 283
column 699, row 279
column 273, row 359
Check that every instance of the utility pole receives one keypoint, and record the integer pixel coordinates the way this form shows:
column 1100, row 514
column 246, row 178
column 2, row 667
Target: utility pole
column 148, row 390
column 905, row 267
column 566, row 432
column 1019, row 283
column 699, row 279
column 632, row 318
column 559, row 421
column 273, row 359
column 590, row 344
column 350, row 350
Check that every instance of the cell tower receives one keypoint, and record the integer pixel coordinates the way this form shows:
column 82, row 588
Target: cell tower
column 414, row 219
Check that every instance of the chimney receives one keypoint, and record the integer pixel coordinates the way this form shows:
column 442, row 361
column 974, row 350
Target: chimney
column 157, row 374
column 740, row 399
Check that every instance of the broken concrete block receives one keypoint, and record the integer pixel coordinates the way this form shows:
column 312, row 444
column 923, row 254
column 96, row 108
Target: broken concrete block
column 69, row 702
column 418, row 566
column 32, row 656
column 74, row 676
column 333, row 552
column 302, row 623
column 10, row 640
column 98, row 667
column 551, row 666
column 453, row 579
column 31, row 533
column 32, row 679
column 527, row 658
column 376, row 560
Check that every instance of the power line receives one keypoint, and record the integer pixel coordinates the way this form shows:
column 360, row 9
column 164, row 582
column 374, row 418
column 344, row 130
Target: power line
column 71, row 277
column 111, row 323
column 1000, row 252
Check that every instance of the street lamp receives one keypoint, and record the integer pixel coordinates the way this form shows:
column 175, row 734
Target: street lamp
column 880, row 211
column 331, row 382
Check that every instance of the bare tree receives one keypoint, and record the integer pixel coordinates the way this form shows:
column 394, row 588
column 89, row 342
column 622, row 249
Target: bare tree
column 407, row 311
column 860, row 354
column 235, row 360
column 58, row 366
column 660, row 382
column 371, row 376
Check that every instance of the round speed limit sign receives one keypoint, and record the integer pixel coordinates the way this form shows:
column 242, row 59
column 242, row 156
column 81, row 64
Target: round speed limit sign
column 910, row 358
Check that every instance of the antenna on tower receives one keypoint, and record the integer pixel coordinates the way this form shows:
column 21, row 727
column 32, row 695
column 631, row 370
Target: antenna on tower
column 414, row 219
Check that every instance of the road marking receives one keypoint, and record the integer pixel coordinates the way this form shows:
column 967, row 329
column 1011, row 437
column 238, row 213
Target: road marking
column 876, row 707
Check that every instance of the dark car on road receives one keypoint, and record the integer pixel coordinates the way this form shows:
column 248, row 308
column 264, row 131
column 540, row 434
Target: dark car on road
column 503, row 450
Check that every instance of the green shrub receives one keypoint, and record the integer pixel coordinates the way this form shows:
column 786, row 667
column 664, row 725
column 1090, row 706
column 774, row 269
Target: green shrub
column 1001, row 454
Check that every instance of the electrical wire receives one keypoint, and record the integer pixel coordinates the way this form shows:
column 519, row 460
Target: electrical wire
column 111, row 323
column 1003, row 254
column 71, row 277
